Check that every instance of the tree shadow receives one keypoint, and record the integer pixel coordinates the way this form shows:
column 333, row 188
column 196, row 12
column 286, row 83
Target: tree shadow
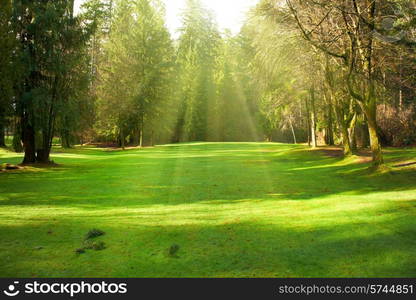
column 377, row 247
column 197, row 173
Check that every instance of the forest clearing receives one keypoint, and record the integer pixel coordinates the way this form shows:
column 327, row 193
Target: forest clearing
column 207, row 138
column 233, row 210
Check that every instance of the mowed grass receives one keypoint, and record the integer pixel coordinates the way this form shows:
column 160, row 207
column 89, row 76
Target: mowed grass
column 234, row 210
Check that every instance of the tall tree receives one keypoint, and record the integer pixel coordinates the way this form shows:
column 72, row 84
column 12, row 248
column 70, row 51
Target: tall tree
column 136, row 76
column 8, row 70
column 197, row 50
column 50, row 41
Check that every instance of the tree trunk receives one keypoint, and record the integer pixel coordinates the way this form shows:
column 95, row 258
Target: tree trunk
column 313, row 119
column 29, row 145
column 330, row 128
column 43, row 156
column 293, row 130
column 136, row 136
column 308, row 119
column 377, row 153
column 141, row 137
column 313, row 132
column 141, row 129
column 65, row 139
column 2, row 135
column 352, row 133
column 375, row 145
column 17, row 137
column 344, row 132
column 152, row 139
column 346, row 140
column 122, row 140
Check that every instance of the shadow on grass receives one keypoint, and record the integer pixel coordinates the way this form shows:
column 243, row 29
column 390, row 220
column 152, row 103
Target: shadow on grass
column 186, row 174
column 384, row 247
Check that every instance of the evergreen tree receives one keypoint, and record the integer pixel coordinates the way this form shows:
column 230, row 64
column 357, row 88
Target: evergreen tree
column 136, row 77
column 196, row 59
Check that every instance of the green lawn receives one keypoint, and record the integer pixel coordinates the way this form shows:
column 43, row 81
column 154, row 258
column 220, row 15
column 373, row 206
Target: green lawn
column 234, row 210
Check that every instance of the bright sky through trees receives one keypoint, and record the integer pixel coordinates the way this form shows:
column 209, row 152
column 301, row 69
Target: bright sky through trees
column 229, row 13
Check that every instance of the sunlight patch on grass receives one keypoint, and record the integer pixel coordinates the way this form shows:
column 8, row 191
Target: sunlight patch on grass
column 234, row 209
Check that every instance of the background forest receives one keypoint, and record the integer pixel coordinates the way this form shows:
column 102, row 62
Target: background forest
column 317, row 72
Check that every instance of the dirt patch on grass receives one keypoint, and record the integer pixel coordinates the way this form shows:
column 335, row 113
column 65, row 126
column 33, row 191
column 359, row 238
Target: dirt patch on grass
column 364, row 160
column 9, row 167
column 363, row 155
column 331, row 151
column 35, row 167
column 112, row 147
column 46, row 165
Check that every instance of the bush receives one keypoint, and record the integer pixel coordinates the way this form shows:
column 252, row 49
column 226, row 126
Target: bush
column 397, row 126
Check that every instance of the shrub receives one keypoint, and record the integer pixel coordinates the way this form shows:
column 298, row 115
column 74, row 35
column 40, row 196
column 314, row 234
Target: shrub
column 397, row 125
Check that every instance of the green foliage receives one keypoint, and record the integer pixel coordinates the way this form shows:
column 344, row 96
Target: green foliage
column 136, row 74
column 8, row 73
column 196, row 62
column 53, row 74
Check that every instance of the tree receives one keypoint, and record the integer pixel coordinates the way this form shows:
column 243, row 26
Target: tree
column 349, row 32
column 7, row 70
column 50, row 39
column 197, row 50
column 136, row 74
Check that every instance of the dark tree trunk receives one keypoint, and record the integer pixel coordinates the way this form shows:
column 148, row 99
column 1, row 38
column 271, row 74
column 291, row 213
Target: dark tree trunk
column 29, row 145
column 2, row 135
column 136, row 136
column 352, row 133
column 329, row 138
column 141, row 129
column 363, row 139
column 344, row 130
column 17, row 137
column 43, row 156
column 152, row 139
column 66, row 140
column 122, row 140
column 2, row 127
column 375, row 145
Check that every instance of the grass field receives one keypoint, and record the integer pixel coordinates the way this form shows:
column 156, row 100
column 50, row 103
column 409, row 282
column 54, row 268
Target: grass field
column 234, row 210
